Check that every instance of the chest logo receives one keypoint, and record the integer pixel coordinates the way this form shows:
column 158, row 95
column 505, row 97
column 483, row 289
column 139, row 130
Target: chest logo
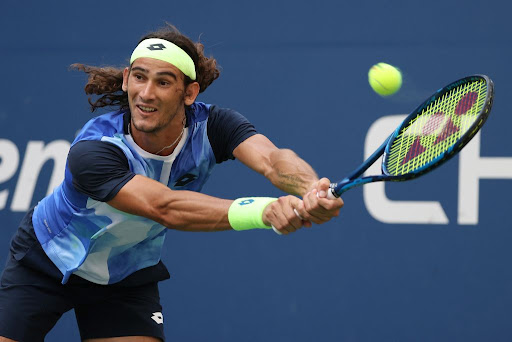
column 185, row 179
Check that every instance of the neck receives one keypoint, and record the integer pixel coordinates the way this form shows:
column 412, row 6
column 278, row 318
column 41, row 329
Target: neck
column 162, row 142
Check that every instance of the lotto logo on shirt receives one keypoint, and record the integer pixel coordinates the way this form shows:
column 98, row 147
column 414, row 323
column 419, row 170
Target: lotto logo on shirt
column 158, row 317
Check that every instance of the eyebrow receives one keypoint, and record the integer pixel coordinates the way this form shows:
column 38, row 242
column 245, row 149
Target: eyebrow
column 161, row 73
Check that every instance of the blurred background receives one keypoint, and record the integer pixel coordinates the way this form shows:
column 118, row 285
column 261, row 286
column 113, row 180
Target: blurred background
column 427, row 260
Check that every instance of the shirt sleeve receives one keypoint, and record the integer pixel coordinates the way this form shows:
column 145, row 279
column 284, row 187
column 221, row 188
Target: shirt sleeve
column 226, row 130
column 99, row 169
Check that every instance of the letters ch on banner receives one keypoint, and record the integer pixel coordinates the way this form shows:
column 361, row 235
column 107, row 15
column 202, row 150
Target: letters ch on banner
column 472, row 168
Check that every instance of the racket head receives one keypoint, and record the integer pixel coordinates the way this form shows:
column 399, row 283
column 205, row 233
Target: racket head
column 439, row 128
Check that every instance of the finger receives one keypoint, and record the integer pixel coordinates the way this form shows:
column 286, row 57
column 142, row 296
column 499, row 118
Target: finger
column 324, row 209
column 303, row 222
column 301, row 212
column 322, row 187
column 286, row 218
column 277, row 231
column 290, row 212
column 311, row 207
column 286, row 214
column 274, row 220
column 297, row 213
column 330, row 205
column 293, row 214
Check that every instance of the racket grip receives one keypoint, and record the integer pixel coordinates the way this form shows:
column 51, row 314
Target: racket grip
column 330, row 193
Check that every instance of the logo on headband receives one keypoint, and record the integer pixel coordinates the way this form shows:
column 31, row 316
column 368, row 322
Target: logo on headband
column 154, row 47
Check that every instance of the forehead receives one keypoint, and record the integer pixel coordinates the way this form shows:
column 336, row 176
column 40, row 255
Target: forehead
column 156, row 66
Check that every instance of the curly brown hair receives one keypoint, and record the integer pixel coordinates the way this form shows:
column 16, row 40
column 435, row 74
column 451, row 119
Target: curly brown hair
column 107, row 81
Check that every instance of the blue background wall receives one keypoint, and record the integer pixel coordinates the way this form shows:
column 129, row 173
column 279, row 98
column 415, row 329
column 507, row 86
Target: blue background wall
column 298, row 71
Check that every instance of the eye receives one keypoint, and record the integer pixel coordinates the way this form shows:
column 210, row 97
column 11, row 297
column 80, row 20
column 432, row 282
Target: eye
column 138, row 77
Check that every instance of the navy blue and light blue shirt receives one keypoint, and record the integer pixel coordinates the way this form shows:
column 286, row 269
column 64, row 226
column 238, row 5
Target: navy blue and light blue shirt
column 83, row 235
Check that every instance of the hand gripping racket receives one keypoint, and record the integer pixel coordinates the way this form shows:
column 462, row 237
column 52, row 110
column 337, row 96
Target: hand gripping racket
column 432, row 134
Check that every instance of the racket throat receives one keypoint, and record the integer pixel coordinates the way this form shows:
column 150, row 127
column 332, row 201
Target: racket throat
column 346, row 184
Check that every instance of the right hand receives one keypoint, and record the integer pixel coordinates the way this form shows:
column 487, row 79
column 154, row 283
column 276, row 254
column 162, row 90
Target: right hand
column 281, row 215
column 318, row 208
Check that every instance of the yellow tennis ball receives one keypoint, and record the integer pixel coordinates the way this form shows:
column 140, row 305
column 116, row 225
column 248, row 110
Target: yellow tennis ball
column 385, row 79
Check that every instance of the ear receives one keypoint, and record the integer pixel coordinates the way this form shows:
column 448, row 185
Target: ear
column 191, row 93
column 126, row 73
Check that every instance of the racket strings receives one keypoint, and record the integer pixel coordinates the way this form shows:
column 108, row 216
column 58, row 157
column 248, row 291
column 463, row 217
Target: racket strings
column 437, row 128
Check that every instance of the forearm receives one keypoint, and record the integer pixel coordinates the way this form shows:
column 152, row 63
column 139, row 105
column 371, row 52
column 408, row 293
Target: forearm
column 290, row 173
column 192, row 211
column 285, row 169
column 181, row 210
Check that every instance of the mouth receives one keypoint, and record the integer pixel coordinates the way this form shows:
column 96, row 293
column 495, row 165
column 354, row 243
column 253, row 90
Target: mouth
column 146, row 109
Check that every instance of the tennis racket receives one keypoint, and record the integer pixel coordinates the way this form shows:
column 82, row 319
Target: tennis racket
column 432, row 134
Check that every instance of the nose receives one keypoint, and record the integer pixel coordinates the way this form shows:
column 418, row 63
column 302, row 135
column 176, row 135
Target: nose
column 147, row 92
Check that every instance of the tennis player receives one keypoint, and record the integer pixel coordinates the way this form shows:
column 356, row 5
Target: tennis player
column 94, row 244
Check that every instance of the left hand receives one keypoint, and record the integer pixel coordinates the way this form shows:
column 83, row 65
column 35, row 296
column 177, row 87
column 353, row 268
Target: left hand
column 317, row 207
column 281, row 215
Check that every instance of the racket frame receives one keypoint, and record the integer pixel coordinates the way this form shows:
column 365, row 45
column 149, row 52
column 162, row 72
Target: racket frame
column 352, row 180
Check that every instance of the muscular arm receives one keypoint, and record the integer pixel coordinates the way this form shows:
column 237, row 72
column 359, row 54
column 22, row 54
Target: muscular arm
column 287, row 171
column 101, row 171
column 181, row 210
column 193, row 211
column 283, row 167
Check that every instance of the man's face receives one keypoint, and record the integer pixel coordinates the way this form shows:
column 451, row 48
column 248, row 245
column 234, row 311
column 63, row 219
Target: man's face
column 156, row 94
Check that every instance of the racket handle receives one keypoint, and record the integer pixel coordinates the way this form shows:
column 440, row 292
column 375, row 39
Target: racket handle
column 277, row 230
column 330, row 194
